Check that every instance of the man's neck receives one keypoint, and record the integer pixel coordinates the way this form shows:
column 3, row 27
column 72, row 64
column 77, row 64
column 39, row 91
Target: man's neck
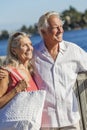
column 53, row 50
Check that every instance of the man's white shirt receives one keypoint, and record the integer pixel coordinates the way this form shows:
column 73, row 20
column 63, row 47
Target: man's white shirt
column 58, row 78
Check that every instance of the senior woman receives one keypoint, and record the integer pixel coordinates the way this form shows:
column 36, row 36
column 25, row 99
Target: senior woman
column 19, row 72
column 18, row 65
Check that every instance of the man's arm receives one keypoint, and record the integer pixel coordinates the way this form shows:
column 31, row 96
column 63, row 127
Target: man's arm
column 21, row 86
column 4, row 81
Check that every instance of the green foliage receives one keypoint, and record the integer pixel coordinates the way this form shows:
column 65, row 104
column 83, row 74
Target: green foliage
column 30, row 30
column 74, row 19
column 4, row 35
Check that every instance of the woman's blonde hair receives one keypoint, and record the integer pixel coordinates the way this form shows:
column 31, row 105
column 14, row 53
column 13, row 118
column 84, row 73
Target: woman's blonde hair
column 13, row 42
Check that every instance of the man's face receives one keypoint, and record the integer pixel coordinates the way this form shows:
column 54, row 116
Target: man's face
column 55, row 29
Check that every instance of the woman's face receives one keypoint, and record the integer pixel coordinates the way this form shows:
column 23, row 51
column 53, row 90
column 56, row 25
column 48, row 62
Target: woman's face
column 24, row 51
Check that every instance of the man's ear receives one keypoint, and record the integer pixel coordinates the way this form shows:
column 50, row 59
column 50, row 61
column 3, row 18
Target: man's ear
column 43, row 31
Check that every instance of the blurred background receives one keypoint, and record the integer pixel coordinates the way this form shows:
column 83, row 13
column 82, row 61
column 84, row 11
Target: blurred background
column 23, row 15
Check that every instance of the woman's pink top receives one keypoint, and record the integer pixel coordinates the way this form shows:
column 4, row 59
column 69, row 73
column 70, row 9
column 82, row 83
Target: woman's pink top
column 16, row 77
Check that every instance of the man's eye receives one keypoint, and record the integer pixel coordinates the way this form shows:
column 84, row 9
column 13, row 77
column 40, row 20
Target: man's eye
column 54, row 27
column 57, row 27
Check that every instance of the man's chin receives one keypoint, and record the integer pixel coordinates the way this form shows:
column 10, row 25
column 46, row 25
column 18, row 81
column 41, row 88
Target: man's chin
column 59, row 40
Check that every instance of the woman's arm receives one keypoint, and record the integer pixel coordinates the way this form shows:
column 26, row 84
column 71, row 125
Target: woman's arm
column 4, row 81
column 21, row 86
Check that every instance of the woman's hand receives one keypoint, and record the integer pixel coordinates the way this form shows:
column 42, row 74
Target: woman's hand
column 4, row 80
column 21, row 86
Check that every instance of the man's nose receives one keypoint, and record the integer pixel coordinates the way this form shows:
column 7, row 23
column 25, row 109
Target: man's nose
column 60, row 29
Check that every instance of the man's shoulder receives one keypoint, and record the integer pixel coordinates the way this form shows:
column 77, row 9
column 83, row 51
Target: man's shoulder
column 39, row 46
column 71, row 44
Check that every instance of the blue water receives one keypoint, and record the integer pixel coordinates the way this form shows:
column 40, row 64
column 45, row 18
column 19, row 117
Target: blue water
column 77, row 36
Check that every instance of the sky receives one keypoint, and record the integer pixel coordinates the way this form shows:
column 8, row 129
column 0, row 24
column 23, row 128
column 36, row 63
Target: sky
column 16, row 13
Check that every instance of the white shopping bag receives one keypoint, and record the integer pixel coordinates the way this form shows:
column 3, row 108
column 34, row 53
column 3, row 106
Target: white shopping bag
column 23, row 112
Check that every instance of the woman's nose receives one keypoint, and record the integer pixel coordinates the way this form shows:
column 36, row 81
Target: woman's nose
column 29, row 47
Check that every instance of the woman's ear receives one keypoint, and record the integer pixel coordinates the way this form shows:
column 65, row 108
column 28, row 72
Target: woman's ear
column 13, row 51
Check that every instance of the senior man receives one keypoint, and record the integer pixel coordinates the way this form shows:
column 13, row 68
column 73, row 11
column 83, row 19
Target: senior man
column 57, row 63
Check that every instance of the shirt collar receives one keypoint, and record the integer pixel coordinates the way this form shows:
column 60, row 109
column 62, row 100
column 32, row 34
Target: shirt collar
column 62, row 46
column 42, row 46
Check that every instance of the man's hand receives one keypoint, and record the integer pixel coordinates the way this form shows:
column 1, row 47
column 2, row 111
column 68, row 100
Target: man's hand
column 3, row 73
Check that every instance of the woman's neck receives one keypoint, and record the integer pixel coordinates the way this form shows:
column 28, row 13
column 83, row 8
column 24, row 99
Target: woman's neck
column 23, row 66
